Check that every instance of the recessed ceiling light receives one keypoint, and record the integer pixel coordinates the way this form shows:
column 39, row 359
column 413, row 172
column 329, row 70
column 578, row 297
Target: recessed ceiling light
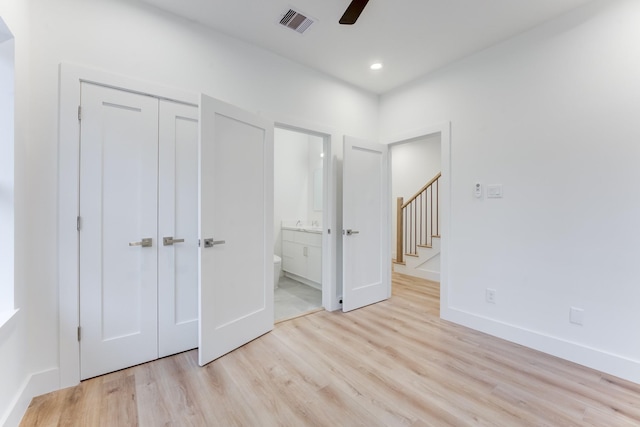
column 376, row 66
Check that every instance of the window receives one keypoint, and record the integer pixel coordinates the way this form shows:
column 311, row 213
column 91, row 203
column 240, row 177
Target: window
column 7, row 92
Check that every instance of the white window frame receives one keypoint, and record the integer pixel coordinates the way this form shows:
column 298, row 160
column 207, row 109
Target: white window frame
column 7, row 159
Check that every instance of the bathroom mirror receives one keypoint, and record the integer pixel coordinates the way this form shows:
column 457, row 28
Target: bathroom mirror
column 317, row 190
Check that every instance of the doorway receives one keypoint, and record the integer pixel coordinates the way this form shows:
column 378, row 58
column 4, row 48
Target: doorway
column 438, row 132
column 299, row 176
column 414, row 164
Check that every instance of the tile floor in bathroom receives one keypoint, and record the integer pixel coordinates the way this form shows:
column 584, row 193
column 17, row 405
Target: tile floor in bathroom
column 292, row 298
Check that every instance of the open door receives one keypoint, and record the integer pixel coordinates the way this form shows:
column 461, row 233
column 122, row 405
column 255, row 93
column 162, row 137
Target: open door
column 366, row 205
column 236, row 228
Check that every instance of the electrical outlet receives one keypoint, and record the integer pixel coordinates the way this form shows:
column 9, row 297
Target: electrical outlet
column 576, row 315
column 490, row 295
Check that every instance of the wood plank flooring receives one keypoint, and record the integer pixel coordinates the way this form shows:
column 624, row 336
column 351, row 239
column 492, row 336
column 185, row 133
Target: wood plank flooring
column 390, row 364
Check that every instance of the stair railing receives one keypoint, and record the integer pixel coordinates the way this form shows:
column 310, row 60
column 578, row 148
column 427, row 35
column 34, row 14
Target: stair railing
column 418, row 219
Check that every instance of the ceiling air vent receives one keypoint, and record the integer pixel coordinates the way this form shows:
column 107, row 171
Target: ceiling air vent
column 296, row 21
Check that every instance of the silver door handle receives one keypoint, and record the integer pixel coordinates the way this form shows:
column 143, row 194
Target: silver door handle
column 209, row 243
column 147, row 242
column 351, row 232
column 168, row 241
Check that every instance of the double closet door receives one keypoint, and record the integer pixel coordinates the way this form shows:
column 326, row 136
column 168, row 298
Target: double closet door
column 156, row 179
column 138, row 229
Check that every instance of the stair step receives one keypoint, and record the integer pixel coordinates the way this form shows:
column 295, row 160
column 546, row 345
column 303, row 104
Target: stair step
column 413, row 255
column 425, row 246
column 399, row 263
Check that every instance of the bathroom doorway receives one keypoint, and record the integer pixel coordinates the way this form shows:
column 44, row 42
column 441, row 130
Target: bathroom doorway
column 298, row 222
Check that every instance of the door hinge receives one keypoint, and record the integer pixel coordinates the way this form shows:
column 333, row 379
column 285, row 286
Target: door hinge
column 78, row 223
column 79, row 113
column 79, row 335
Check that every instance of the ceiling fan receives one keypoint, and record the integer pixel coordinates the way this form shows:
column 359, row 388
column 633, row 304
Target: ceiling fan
column 353, row 12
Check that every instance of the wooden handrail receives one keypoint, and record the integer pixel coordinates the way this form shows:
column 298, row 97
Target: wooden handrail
column 417, row 225
column 427, row 185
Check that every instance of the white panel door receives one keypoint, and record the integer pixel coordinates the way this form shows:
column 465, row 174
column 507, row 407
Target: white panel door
column 118, row 207
column 366, row 204
column 236, row 228
column 178, row 228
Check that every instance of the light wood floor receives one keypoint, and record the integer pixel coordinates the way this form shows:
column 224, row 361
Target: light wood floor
column 390, row 364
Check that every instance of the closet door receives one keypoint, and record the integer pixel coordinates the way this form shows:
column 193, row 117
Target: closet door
column 118, row 234
column 178, row 229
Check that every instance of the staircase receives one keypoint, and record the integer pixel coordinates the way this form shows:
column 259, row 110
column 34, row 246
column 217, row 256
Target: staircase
column 418, row 233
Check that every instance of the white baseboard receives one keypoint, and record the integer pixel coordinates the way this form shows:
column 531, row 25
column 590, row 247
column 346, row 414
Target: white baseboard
column 593, row 358
column 434, row 276
column 35, row 385
column 301, row 279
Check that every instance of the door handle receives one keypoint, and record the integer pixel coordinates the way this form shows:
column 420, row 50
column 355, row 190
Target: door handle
column 209, row 243
column 146, row 242
column 351, row 232
column 168, row 241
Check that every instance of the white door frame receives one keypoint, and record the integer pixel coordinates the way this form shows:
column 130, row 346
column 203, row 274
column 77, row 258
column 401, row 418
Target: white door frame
column 68, row 198
column 444, row 129
column 330, row 208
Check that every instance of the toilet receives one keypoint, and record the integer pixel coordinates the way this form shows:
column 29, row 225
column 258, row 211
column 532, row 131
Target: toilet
column 277, row 266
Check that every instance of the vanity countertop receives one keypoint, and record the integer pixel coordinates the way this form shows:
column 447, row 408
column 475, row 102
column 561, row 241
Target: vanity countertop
column 305, row 229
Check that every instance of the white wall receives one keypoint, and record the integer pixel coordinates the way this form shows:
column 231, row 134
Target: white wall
column 553, row 116
column 413, row 164
column 314, row 163
column 131, row 39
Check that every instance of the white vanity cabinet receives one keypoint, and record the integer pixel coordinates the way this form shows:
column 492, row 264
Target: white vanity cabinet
column 302, row 255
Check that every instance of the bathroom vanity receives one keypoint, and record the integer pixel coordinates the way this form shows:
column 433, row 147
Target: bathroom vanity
column 302, row 254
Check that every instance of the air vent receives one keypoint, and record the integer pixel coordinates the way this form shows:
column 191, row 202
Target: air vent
column 296, row 21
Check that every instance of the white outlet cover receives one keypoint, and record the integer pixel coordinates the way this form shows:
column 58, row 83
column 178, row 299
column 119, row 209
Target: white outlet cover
column 490, row 295
column 576, row 315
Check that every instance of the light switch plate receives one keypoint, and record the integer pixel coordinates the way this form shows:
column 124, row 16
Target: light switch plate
column 494, row 191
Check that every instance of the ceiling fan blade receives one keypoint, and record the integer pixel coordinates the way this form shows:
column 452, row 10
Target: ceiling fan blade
column 353, row 12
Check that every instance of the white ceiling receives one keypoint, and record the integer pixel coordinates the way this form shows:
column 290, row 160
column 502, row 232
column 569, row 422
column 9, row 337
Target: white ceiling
column 411, row 37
